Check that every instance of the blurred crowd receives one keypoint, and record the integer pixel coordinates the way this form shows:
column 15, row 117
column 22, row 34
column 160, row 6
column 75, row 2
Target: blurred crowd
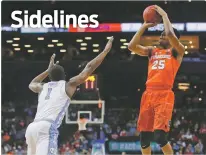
column 188, row 130
column 15, row 118
column 41, row 54
column 72, row 53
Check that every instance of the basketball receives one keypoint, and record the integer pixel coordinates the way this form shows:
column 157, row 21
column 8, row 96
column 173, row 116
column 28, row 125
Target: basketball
column 151, row 16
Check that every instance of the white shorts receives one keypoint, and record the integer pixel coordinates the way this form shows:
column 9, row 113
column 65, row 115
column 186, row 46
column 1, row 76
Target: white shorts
column 41, row 138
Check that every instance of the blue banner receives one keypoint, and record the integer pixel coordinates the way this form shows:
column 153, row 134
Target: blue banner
column 129, row 146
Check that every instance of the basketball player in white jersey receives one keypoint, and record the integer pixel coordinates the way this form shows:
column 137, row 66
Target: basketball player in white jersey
column 53, row 101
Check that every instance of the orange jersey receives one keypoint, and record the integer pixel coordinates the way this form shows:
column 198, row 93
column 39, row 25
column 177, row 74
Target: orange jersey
column 162, row 69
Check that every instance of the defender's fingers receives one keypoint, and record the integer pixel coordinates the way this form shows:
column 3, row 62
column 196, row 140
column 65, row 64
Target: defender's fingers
column 53, row 56
column 111, row 39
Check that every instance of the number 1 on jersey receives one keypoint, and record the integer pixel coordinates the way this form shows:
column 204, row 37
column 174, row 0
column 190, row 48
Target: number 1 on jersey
column 48, row 94
column 158, row 64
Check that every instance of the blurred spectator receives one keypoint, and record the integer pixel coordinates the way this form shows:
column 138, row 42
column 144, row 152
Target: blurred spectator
column 189, row 150
column 199, row 148
column 6, row 137
column 203, row 129
column 187, row 135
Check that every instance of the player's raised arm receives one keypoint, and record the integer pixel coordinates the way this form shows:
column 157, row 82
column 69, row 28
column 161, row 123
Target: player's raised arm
column 89, row 69
column 174, row 41
column 135, row 46
column 36, row 84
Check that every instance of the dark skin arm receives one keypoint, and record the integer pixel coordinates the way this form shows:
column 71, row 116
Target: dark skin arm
column 135, row 46
column 36, row 84
column 88, row 70
column 174, row 41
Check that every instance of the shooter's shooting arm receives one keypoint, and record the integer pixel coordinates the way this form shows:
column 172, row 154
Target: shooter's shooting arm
column 134, row 45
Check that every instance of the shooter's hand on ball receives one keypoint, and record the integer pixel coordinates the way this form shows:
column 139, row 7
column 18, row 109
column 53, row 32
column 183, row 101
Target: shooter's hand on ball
column 169, row 32
column 147, row 25
column 160, row 11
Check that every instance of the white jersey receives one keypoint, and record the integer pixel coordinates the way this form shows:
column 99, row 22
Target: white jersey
column 52, row 102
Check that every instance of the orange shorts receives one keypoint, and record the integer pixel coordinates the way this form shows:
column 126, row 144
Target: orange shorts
column 156, row 110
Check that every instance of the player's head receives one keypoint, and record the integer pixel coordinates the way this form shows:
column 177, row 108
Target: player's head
column 57, row 73
column 164, row 41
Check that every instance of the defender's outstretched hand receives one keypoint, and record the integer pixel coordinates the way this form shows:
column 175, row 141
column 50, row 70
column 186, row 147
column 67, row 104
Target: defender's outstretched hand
column 109, row 44
column 51, row 63
column 88, row 70
column 36, row 85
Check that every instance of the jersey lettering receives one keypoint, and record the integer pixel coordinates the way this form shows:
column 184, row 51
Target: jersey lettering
column 48, row 94
column 161, row 66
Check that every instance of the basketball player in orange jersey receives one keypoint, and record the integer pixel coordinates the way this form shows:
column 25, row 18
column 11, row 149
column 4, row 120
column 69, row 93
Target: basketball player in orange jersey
column 158, row 100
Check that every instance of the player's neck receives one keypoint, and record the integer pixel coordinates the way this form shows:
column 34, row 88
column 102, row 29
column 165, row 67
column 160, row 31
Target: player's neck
column 165, row 47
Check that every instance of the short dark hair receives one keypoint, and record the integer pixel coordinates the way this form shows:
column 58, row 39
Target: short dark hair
column 57, row 73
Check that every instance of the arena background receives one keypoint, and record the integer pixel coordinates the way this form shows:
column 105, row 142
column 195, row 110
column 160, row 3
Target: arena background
column 120, row 79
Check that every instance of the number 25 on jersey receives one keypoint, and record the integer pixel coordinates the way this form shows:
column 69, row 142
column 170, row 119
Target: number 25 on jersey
column 158, row 64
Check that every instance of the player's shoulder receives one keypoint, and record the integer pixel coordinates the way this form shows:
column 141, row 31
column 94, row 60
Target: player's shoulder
column 151, row 50
column 44, row 84
column 56, row 83
column 62, row 81
column 62, row 85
